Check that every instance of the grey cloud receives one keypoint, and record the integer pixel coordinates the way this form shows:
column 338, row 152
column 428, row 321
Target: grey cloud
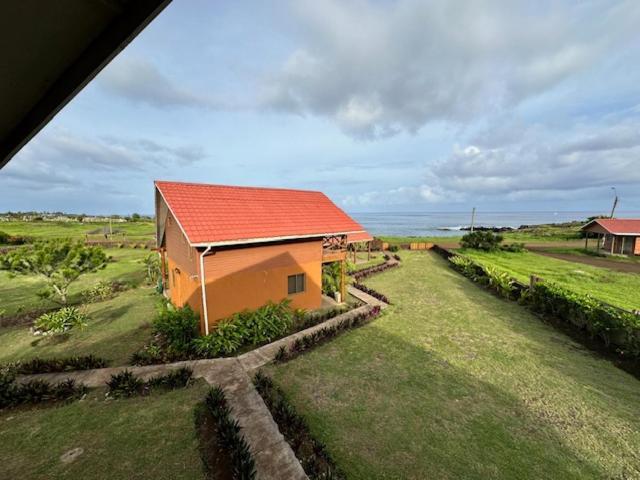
column 380, row 68
column 592, row 157
column 48, row 157
column 138, row 80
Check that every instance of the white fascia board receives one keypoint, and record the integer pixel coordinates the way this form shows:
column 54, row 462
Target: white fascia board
column 269, row 239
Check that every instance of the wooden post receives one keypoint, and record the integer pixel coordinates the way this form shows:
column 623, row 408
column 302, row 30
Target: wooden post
column 368, row 250
column 533, row 280
column 586, row 240
column 343, row 283
column 622, row 245
column 599, row 238
column 613, row 242
column 162, row 268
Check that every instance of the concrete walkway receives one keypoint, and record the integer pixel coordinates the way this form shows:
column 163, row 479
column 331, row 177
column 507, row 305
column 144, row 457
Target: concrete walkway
column 273, row 456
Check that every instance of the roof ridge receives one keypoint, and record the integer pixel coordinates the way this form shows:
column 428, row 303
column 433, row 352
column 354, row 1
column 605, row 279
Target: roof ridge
column 246, row 187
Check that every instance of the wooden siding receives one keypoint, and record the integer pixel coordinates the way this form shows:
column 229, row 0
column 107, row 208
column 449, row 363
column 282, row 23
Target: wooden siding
column 247, row 278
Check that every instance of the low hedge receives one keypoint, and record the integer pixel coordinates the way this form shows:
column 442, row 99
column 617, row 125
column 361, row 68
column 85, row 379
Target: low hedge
column 313, row 455
column 614, row 326
column 319, row 336
column 372, row 292
column 14, row 394
column 367, row 272
column 226, row 437
column 55, row 365
column 617, row 328
column 126, row 384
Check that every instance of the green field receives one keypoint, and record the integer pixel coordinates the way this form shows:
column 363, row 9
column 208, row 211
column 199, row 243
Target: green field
column 18, row 293
column 117, row 328
column 453, row 382
column 137, row 438
column 613, row 287
column 133, row 231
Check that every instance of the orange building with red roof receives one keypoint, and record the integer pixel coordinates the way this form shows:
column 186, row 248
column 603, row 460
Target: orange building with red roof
column 615, row 235
column 225, row 249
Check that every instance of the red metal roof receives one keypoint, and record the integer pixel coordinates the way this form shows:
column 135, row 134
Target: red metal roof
column 220, row 213
column 618, row 226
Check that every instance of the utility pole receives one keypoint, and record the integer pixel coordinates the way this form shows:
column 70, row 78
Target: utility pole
column 473, row 217
column 615, row 201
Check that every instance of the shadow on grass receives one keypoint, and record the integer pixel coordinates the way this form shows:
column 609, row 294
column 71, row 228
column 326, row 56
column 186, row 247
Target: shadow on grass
column 388, row 409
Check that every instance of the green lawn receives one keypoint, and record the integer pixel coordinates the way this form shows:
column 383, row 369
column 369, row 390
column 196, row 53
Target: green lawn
column 137, row 438
column 617, row 288
column 19, row 293
column 376, row 259
column 453, row 382
column 580, row 251
column 136, row 231
column 117, row 328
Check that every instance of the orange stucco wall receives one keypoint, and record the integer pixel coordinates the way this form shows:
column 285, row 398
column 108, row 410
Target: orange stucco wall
column 636, row 250
column 247, row 278
column 182, row 269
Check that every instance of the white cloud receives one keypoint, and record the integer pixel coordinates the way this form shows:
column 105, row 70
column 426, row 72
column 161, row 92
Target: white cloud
column 380, row 68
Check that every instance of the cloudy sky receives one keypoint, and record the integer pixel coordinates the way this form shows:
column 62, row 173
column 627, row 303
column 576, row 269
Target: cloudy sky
column 400, row 105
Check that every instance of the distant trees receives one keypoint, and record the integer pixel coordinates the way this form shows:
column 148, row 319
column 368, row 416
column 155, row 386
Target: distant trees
column 60, row 263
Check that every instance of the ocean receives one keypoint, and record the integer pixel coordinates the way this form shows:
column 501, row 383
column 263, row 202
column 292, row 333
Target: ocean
column 439, row 224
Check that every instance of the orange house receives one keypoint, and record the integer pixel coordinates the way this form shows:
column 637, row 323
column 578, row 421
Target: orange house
column 225, row 249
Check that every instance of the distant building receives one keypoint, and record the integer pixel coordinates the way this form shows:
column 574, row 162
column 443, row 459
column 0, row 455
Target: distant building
column 615, row 235
column 225, row 249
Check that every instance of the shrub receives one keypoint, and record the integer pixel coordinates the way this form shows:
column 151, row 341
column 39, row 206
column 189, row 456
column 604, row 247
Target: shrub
column 516, row 247
column 4, row 237
column 125, row 384
column 100, row 291
column 394, row 248
column 397, row 257
column 179, row 378
column 490, row 276
column 309, row 319
column 59, row 321
column 313, row 455
column 228, row 437
column 612, row 325
column 312, row 339
column 265, row 324
column 13, row 394
column 481, row 240
column 331, row 277
column 178, row 328
column 53, row 365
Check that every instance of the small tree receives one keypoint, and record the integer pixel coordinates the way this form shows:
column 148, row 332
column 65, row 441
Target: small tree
column 60, row 263
column 480, row 240
column 152, row 265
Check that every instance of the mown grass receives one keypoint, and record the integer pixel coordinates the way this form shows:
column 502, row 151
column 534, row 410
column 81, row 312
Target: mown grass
column 617, row 288
column 363, row 261
column 136, row 438
column 135, row 231
column 18, row 293
column 116, row 329
column 453, row 382
column 591, row 253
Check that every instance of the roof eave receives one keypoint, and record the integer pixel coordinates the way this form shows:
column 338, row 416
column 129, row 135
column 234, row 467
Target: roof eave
column 249, row 241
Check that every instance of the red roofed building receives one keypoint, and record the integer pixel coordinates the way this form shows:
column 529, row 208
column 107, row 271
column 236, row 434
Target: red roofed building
column 250, row 245
column 615, row 235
